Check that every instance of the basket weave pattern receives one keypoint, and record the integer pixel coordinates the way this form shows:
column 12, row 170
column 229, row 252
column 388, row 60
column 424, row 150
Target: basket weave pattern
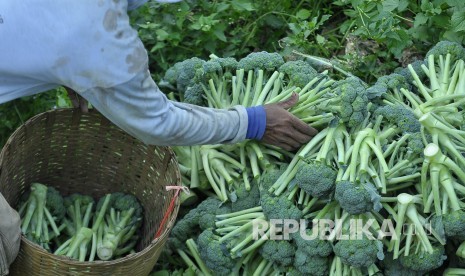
column 85, row 153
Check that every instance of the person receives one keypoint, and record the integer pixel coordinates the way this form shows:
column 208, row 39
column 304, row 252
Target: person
column 89, row 47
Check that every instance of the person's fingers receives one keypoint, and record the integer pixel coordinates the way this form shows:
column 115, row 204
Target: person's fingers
column 289, row 102
column 303, row 127
column 301, row 137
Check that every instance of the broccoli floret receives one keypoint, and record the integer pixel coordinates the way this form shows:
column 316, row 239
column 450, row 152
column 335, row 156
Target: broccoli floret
column 391, row 82
column 171, row 75
column 316, row 179
column 313, row 247
column 454, row 224
column 194, row 95
column 261, row 61
column 400, row 116
column 394, row 268
column 207, row 211
column 185, row 228
column 299, row 72
column 279, row 252
column 55, row 204
column 278, row 207
column 416, row 66
column 415, row 144
column 357, row 253
column 350, row 102
column 447, row 47
column 356, row 199
column 269, row 177
column 217, row 69
column 424, row 262
column 188, row 70
column 310, row 265
column 122, row 219
column 213, row 254
column 246, row 199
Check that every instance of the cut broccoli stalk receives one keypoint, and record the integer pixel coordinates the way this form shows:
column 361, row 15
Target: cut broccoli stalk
column 439, row 168
column 407, row 213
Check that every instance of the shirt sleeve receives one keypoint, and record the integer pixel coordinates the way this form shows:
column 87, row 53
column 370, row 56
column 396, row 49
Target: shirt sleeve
column 142, row 110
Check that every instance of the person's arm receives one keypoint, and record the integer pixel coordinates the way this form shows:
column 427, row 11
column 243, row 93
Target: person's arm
column 10, row 235
column 142, row 110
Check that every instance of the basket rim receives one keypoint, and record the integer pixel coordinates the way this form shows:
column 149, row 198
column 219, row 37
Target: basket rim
column 167, row 228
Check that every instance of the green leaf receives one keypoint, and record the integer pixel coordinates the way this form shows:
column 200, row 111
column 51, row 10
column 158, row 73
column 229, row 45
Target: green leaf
column 458, row 21
column 420, row 19
column 219, row 32
column 390, row 5
column 162, row 34
column 403, row 5
column 320, row 39
column 242, row 5
column 303, row 14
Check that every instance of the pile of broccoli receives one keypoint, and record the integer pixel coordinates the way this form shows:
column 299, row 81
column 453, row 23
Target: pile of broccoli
column 75, row 227
column 387, row 151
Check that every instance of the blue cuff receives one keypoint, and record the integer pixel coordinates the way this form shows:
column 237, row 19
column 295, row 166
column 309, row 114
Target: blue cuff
column 257, row 122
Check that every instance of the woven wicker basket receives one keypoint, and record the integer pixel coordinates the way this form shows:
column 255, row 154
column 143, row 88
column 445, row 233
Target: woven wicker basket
column 85, row 153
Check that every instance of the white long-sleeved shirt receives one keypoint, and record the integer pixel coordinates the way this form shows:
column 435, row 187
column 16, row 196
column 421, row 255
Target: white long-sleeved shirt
column 90, row 47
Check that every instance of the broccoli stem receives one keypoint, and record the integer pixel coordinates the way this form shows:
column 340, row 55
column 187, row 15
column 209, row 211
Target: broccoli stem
column 264, row 92
column 245, row 175
column 253, row 163
column 238, row 218
column 79, row 242
column 195, row 253
column 257, row 87
column 51, row 221
column 189, row 263
column 241, row 229
column 261, row 267
column 405, row 178
column 419, row 84
column 454, row 271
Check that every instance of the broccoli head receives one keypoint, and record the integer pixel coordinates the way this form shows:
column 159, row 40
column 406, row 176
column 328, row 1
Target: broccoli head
column 424, row 262
column 316, row 179
column 454, row 224
column 171, row 75
column 312, row 247
column 356, row 199
column 185, row 228
column 358, row 252
column 416, row 66
column 194, row 95
column 208, row 210
column 55, row 203
column 351, row 102
column 447, row 47
column 126, row 202
column 246, row 199
column 394, row 268
column 311, row 265
column 261, row 61
column 213, row 254
column 400, row 116
column 217, row 68
column 415, row 143
column 279, row 252
column 269, row 177
column 299, row 72
column 188, row 71
column 279, row 207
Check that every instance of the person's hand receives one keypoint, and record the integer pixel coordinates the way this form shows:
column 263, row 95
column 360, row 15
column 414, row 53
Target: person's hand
column 77, row 101
column 284, row 129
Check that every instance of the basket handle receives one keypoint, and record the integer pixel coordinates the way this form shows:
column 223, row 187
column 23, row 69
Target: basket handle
column 170, row 209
